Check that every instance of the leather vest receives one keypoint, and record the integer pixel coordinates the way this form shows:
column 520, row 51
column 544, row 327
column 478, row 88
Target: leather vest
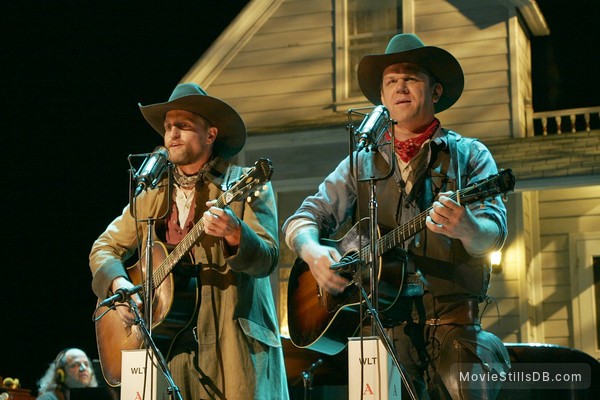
column 445, row 268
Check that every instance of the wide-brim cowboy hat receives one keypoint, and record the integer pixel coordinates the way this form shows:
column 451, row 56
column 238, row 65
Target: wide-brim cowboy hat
column 191, row 97
column 408, row 48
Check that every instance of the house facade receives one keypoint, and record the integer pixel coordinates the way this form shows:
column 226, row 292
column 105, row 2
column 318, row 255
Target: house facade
column 288, row 67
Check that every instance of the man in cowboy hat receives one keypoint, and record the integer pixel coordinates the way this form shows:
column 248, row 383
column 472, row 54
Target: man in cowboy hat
column 434, row 322
column 230, row 347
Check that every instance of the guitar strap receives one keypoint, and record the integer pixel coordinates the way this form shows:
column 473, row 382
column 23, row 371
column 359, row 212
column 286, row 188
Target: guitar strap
column 455, row 159
column 234, row 172
column 425, row 193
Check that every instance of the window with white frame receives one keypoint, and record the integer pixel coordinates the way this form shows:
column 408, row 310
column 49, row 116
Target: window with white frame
column 368, row 25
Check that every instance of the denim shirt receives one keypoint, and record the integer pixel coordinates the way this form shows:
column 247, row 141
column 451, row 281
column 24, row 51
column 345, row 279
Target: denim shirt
column 444, row 262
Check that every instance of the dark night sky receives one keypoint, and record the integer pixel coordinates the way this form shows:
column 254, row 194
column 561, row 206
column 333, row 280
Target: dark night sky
column 73, row 73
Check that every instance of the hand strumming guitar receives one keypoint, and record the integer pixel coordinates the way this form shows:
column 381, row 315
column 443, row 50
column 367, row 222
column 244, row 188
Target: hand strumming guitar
column 319, row 259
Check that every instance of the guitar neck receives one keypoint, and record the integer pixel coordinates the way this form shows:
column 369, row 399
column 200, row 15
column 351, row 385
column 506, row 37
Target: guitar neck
column 182, row 249
column 398, row 236
column 404, row 232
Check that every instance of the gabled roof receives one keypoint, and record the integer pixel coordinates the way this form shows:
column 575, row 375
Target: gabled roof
column 533, row 17
column 231, row 41
column 257, row 12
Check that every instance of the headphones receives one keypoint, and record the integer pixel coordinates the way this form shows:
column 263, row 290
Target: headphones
column 59, row 365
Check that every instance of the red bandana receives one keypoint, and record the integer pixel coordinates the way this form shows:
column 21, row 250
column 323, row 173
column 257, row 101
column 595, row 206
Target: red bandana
column 407, row 149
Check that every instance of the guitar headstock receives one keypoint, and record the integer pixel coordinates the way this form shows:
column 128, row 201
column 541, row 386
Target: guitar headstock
column 249, row 183
column 500, row 183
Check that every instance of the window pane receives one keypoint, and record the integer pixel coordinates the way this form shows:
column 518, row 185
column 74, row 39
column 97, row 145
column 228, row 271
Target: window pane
column 371, row 24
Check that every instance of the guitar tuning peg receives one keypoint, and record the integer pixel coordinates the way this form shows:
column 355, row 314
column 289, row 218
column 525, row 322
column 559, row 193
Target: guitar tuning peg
column 265, row 187
column 249, row 199
column 257, row 193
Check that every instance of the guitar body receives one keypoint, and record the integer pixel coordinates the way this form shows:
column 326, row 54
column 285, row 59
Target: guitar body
column 322, row 322
column 175, row 305
column 174, row 285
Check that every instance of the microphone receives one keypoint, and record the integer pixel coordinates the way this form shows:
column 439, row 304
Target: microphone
column 346, row 263
column 316, row 364
column 121, row 295
column 151, row 170
column 308, row 374
column 374, row 124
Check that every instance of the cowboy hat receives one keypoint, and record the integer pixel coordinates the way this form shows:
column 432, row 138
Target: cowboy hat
column 408, row 48
column 191, row 97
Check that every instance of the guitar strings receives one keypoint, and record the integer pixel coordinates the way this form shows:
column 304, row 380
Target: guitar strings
column 197, row 231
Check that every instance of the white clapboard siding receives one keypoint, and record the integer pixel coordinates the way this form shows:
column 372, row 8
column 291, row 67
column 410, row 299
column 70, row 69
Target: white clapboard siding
column 556, row 311
column 483, row 64
column 521, row 90
column 428, row 7
column 463, row 35
column 479, row 113
column 480, row 97
column 503, row 288
column 485, row 15
column 282, row 86
column 562, row 212
column 299, row 7
column 550, row 243
column 529, row 267
column 283, row 116
column 476, row 34
column 281, row 75
column 287, row 39
column 297, row 54
column 261, row 73
column 286, row 101
column 285, row 72
column 292, row 52
column 487, row 129
column 574, row 208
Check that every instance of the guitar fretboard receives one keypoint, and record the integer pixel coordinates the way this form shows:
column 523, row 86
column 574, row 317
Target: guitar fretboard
column 182, row 248
column 492, row 186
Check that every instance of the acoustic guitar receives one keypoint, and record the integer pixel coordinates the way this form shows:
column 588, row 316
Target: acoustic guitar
column 323, row 322
column 175, row 295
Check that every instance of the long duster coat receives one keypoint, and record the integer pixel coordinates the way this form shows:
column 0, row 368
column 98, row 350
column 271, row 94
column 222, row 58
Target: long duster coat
column 239, row 347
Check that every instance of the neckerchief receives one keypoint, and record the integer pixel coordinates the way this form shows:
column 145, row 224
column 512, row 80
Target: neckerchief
column 407, row 149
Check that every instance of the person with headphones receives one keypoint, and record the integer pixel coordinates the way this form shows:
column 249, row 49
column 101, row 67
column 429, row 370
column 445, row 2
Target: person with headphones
column 70, row 369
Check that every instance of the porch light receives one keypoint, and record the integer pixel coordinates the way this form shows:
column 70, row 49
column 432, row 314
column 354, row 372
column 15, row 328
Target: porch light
column 496, row 261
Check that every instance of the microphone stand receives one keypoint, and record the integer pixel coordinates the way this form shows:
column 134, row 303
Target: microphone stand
column 148, row 257
column 308, row 377
column 371, row 146
column 173, row 389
